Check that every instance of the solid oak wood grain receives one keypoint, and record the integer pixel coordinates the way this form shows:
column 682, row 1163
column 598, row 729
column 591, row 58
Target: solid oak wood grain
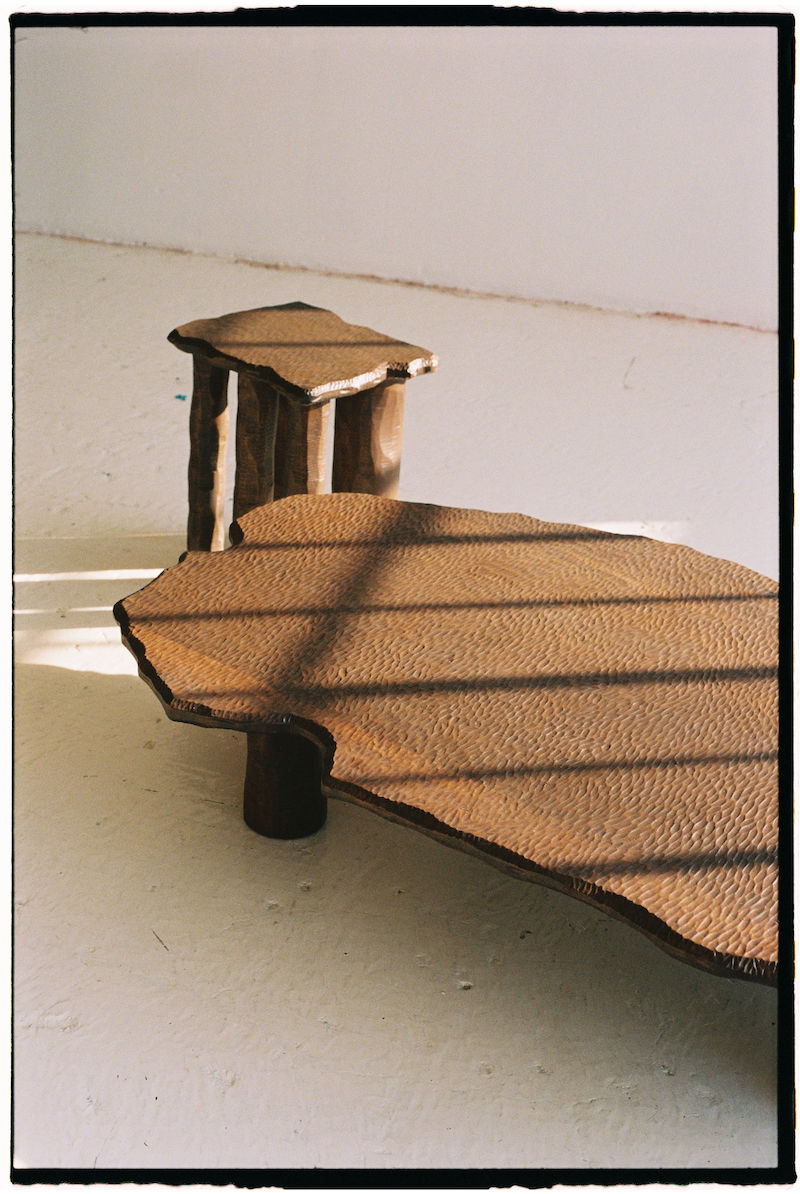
column 256, row 423
column 368, row 441
column 307, row 357
column 283, row 794
column 301, row 448
column 307, row 352
column 594, row 712
column 208, row 440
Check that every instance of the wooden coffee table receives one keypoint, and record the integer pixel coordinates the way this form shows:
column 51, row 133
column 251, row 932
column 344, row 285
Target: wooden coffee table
column 595, row 712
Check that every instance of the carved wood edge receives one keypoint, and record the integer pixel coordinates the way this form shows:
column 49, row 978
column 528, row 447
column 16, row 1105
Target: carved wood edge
column 635, row 915
column 316, row 395
column 194, row 713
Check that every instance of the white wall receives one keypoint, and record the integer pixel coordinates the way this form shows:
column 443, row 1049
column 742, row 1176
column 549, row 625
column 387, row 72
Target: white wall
column 632, row 168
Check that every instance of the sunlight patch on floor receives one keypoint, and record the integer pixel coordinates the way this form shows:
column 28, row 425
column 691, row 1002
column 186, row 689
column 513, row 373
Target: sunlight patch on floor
column 29, row 578
column 90, row 651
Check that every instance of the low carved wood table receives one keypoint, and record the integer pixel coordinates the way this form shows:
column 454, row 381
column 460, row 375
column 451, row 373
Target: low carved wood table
column 596, row 712
column 291, row 362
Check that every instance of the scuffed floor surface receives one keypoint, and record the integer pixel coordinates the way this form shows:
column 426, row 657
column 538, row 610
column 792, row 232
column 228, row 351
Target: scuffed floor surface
column 188, row 994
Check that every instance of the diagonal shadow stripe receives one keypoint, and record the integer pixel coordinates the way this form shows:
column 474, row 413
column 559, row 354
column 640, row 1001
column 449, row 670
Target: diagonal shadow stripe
column 223, row 343
column 262, row 611
column 571, row 680
column 398, row 517
column 478, row 773
column 417, row 538
column 283, row 687
column 664, row 863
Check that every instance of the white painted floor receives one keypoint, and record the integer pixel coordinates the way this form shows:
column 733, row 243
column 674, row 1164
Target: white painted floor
column 188, row 994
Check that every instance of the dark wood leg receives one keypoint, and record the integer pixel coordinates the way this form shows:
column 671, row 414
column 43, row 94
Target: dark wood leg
column 283, row 794
column 300, row 441
column 256, row 422
column 208, row 439
column 280, row 451
column 368, row 440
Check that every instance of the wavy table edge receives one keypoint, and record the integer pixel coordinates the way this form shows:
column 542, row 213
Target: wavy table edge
column 387, row 371
column 758, row 970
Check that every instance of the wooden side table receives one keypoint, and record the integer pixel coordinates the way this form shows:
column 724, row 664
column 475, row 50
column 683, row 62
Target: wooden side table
column 594, row 712
column 292, row 361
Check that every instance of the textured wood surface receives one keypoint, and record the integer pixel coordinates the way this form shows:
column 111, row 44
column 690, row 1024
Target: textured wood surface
column 306, row 351
column 301, row 448
column 208, row 440
column 368, row 441
column 256, row 425
column 592, row 711
column 292, row 765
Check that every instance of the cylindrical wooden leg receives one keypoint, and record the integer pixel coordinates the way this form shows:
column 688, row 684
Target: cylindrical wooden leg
column 208, row 438
column 300, row 448
column 283, row 794
column 256, row 421
column 368, row 439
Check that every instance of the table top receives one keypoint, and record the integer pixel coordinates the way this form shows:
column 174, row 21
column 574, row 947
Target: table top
column 597, row 712
column 307, row 352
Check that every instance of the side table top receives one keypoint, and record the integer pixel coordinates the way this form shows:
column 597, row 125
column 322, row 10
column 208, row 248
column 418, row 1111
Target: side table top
column 597, row 712
column 305, row 351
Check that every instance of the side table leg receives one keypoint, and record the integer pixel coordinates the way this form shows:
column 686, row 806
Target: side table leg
column 283, row 794
column 368, row 440
column 208, row 439
column 300, row 443
column 256, row 421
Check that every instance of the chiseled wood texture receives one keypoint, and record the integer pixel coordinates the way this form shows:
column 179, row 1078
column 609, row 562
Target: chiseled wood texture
column 208, row 440
column 256, row 424
column 307, row 352
column 289, row 764
column 592, row 711
column 368, row 441
column 300, row 448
